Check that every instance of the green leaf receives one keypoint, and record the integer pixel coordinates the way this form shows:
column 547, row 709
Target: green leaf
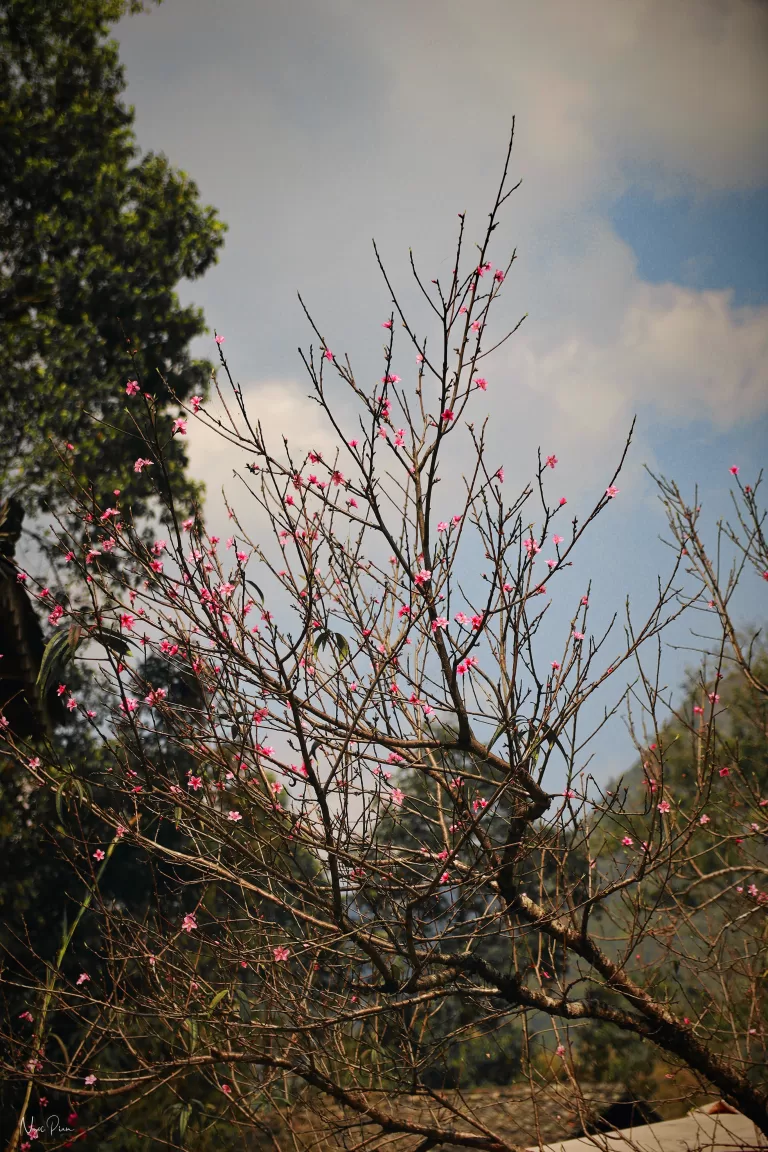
column 113, row 640
column 342, row 645
column 244, row 1005
column 74, row 636
column 217, row 999
column 184, row 1116
column 55, row 1036
column 59, row 797
column 194, row 1033
column 320, row 641
column 58, row 651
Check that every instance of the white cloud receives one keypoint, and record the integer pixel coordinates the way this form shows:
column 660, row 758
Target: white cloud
column 313, row 132
column 281, row 408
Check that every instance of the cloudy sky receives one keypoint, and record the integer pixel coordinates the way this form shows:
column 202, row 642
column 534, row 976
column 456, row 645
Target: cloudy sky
column 640, row 225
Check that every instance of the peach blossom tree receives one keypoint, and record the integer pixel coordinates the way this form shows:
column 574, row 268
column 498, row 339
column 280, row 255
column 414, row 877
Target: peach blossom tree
column 373, row 798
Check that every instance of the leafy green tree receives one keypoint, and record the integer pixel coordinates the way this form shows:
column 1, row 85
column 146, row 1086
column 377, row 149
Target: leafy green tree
column 94, row 239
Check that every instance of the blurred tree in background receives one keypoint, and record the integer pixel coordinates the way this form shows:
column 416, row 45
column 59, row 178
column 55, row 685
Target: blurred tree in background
column 94, row 238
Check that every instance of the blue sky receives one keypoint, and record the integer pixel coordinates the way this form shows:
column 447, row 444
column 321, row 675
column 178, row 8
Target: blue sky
column 640, row 225
column 717, row 241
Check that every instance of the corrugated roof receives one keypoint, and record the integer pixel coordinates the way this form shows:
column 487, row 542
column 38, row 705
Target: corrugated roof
column 699, row 1131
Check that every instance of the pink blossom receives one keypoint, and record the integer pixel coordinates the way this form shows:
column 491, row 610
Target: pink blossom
column 445, row 878
column 83, row 978
column 196, row 402
column 180, row 426
column 481, row 383
column 195, row 782
column 422, row 576
column 226, row 1089
column 439, row 622
column 442, row 526
column 189, row 923
column 578, row 635
column 563, row 501
column 26, row 1016
column 234, row 816
column 552, row 461
column 131, row 387
column 560, row 1050
column 555, row 665
column 188, row 524
column 724, row 772
column 21, row 577
column 387, row 324
column 55, row 614
column 557, row 540
column 328, row 354
column 447, row 415
column 714, row 698
column 664, row 806
column 281, row 952
column 90, row 1080
column 397, row 797
column 219, row 340
column 734, row 469
column 703, row 819
column 627, row 841
column 99, row 854
column 390, row 379
column 500, row 475
column 337, row 478
column 142, row 463
column 611, row 491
